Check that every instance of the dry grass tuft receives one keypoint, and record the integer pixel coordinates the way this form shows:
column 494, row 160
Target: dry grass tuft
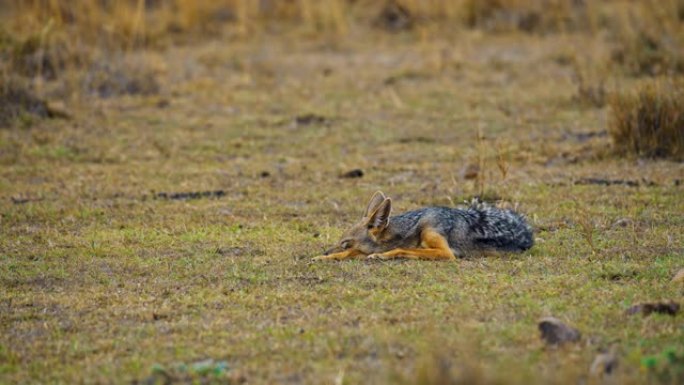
column 649, row 37
column 117, row 75
column 649, row 121
column 39, row 54
column 19, row 102
column 591, row 87
column 586, row 226
column 525, row 15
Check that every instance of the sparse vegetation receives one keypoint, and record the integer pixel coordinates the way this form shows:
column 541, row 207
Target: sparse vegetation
column 117, row 75
column 591, row 86
column 164, row 232
column 649, row 120
column 526, row 15
column 649, row 38
column 18, row 102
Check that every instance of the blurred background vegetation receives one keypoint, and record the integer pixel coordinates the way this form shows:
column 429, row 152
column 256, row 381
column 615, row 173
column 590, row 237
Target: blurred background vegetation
column 67, row 50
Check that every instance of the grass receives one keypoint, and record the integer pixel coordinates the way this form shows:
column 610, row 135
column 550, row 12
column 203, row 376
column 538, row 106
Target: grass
column 648, row 121
column 532, row 16
column 19, row 103
column 649, row 38
column 102, row 280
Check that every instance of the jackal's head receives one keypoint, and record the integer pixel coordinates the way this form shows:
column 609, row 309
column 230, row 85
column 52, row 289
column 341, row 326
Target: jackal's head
column 366, row 236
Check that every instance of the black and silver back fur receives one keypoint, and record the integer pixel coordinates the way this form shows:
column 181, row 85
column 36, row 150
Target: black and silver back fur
column 478, row 227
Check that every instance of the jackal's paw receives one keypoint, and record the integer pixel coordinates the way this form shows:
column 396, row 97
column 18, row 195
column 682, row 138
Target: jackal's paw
column 319, row 258
column 376, row 257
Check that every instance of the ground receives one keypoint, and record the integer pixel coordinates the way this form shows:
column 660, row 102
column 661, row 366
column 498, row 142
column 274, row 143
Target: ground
column 104, row 277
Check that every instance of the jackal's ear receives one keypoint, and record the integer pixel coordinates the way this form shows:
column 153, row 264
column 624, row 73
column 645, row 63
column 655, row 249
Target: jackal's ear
column 375, row 201
column 379, row 220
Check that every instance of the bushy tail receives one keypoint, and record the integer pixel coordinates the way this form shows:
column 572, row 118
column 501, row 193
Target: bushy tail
column 500, row 229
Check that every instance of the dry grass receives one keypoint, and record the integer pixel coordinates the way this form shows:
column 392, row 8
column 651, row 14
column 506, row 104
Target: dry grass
column 47, row 37
column 538, row 16
column 19, row 103
column 649, row 120
column 115, row 75
column 649, row 37
column 591, row 86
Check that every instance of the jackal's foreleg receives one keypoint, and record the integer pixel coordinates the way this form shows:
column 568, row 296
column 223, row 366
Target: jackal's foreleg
column 346, row 254
column 434, row 247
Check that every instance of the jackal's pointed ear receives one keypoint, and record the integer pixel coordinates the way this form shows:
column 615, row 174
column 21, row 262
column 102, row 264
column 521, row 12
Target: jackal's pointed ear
column 379, row 220
column 375, row 201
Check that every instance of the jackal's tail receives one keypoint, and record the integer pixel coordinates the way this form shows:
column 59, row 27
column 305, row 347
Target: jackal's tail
column 500, row 229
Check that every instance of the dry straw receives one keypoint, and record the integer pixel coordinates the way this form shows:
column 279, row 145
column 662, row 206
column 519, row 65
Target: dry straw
column 648, row 120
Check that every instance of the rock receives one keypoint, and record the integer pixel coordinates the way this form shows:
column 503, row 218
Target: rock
column 555, row 332
column 159, row 316
column 58, row 109
column 309, row 119
column 163, row 103
column 611, row 182
column 394, row 17
column 184, row 196
column 355, row 173
column 470, row 171
column 670, row 308
column 622, row 222
column 605, row 363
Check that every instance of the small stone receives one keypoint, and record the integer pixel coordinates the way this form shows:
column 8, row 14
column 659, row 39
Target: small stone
column 203, row 366
column 394, row 17
column 670, row 308
column 58, row 109
column 470, row 171
column 355, row 173
column 555, row 332
column 622, row 222
column 605, row 363
column 309, row 119
column 158, row 316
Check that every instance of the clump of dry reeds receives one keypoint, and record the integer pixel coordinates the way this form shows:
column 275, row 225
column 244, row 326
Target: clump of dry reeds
column 19, row 102
column 649, row 37
column 648, row 121
column 591, row 86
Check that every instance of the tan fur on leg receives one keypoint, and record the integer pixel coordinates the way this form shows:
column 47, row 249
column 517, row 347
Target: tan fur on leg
column 346, row 254
column 435, row 248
